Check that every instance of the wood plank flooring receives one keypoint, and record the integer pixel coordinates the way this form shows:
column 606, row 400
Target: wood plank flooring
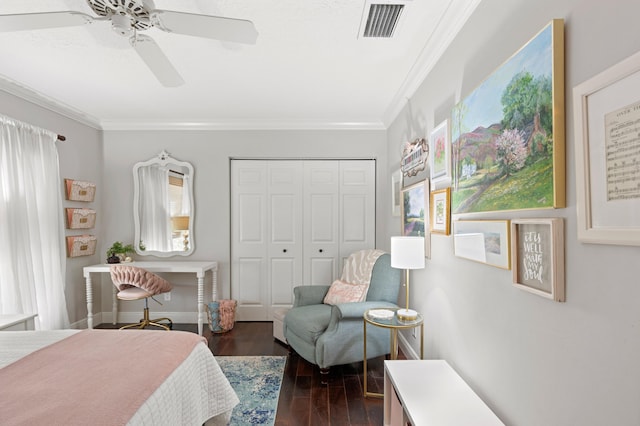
column 303, row 399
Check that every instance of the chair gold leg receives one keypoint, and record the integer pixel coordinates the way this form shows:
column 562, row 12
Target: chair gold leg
column 145, row 322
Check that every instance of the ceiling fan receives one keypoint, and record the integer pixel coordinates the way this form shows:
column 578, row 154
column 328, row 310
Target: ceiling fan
column 130, row 17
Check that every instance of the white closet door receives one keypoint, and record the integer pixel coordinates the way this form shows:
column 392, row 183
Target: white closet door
column 284, row 189
column 357, row 207
column 249, row 236
column 321, row 228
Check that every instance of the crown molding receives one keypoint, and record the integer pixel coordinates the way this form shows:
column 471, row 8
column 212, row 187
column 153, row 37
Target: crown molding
column 457, row 14
column 24, row 92
column 111, row 125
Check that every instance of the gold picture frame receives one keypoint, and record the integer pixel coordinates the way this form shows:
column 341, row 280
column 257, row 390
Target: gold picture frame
column 506, row 155
column 440, row 217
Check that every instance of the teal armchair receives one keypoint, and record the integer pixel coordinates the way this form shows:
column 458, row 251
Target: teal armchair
column 328, row 335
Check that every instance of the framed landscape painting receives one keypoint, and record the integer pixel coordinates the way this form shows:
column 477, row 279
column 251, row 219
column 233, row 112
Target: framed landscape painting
column 507, row 136
column 415, row 213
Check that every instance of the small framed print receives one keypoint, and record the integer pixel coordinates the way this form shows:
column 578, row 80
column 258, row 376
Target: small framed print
column 80, row 218
column 81, row 245
column 441, row 211
column 440, row 148
column 484, row 241
column 77, row 190
column 537, row 249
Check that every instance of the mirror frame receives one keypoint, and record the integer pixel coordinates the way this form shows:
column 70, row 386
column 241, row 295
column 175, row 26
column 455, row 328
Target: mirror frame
column 162, row 159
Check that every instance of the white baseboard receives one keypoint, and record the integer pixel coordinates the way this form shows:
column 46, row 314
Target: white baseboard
column 407, row 349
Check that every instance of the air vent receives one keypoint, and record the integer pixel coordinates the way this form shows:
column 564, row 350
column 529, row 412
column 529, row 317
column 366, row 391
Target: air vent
column 382, row 20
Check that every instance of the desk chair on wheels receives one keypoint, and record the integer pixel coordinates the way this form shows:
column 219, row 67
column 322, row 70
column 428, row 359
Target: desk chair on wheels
column 136, row 283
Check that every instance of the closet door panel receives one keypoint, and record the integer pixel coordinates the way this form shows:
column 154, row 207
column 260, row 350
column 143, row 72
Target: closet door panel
column 357, row 209
column 249, row 240
column 285, row 242
column 321, row 206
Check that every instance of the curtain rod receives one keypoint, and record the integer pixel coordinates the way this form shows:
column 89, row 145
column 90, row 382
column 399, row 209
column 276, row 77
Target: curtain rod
column 62, row 138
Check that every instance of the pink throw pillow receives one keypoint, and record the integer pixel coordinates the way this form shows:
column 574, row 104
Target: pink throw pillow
column 344, row 292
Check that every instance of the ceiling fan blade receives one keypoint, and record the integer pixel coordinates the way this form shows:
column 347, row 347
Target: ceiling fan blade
column 156, row 60
column 216, row 27
column 36, row 21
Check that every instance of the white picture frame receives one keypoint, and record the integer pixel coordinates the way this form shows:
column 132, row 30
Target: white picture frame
column 601, row 219
column 484, row 241
column 440, row 149
column 396, row 188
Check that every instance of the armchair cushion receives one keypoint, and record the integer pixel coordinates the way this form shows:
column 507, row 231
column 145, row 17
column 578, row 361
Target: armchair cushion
column 309, row 322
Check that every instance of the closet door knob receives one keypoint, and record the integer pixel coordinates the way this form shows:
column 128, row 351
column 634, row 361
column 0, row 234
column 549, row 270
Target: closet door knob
column 284, row 250
column 320, row 250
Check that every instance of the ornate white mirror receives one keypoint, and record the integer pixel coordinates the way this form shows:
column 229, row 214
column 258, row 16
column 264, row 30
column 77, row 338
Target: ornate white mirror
column 163, row 207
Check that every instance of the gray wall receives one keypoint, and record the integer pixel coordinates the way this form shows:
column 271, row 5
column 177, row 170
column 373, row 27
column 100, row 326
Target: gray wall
column 534, row 361
column 80, row 157
column 210, row 153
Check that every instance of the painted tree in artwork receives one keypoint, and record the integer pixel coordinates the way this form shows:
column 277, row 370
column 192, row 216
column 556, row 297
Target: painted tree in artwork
column 457, row 135
column 528, row 100
column 511, row 151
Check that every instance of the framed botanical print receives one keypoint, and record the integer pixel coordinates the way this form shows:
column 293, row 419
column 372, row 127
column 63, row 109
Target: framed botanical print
column 441, row 211
column 440, row 148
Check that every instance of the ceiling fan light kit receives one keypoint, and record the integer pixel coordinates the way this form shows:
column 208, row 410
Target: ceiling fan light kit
column 128, row 17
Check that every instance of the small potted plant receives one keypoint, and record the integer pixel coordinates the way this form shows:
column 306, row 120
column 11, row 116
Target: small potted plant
column 118, row 252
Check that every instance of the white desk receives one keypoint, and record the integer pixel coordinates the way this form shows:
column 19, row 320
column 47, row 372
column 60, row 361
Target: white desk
column 187, row 267
column 430, row 392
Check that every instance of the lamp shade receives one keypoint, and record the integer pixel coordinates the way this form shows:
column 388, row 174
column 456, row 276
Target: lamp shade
column 180, row 223
column 407, row 252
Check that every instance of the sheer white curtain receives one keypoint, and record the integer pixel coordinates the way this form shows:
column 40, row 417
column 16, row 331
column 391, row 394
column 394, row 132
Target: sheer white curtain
column 33, row 261
column 155, row 222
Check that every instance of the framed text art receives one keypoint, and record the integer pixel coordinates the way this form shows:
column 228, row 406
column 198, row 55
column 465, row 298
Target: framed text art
column 537, row 250
column 484, row 241
column 440, row 211
column 77, row 190
column 415, row 213
column 440, row 148
column 507, row 136
column 607, row 142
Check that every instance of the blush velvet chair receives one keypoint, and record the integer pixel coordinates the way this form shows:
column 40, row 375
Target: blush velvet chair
column 136, row 283
column 328, row 335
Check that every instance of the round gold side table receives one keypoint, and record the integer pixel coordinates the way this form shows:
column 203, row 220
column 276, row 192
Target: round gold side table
column 393, row 323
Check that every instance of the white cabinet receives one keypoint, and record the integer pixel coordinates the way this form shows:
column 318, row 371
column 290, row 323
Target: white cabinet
column 430, row 392
column 293, row 222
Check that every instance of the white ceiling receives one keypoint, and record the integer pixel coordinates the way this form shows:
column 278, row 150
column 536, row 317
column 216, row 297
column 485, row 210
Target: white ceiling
column 308, row 69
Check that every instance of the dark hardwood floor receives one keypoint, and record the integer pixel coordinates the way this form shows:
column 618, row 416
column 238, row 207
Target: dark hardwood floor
column 303, row 399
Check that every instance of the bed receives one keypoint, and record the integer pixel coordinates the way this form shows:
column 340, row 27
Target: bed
column 107, row 377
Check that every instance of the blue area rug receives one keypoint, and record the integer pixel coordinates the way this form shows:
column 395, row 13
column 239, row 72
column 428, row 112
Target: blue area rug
column 257, row 381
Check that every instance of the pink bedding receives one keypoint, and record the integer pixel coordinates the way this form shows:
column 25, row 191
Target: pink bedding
column 57, row 384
